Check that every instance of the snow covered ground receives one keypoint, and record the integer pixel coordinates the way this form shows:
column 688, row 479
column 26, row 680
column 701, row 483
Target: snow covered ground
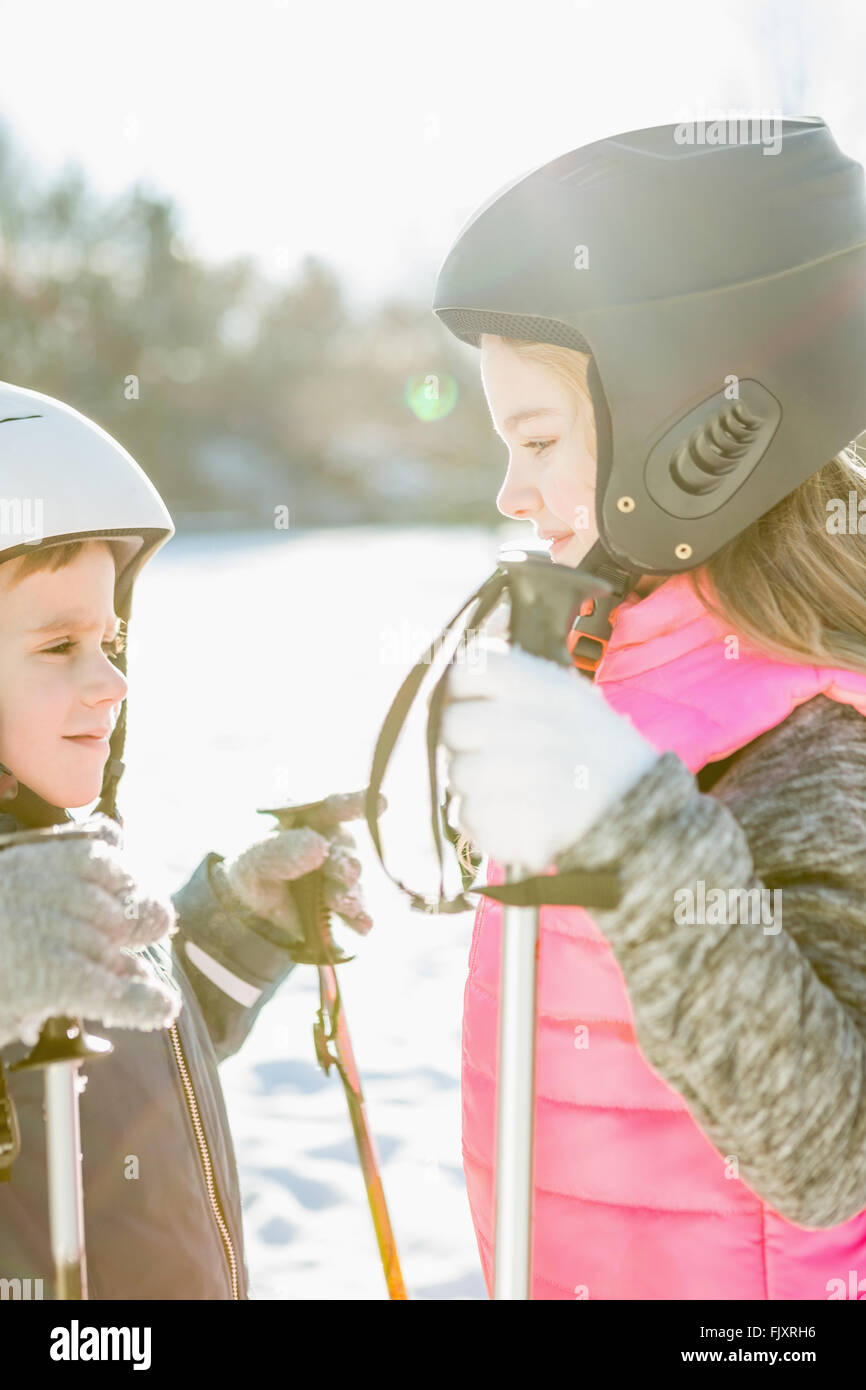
column 261, row 667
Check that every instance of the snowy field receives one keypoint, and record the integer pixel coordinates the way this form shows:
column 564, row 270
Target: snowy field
column 261, row 668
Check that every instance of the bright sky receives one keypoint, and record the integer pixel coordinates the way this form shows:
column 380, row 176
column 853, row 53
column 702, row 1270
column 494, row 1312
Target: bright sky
column 368, row 132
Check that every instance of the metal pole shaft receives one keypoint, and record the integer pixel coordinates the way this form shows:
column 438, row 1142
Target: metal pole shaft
column 515, row 1120
column 65, row 1189
column 61, row 1048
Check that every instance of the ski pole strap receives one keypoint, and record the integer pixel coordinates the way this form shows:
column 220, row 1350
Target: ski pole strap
column 577, row 889
column 318, row 946
column 485, row 598
column 588, row 889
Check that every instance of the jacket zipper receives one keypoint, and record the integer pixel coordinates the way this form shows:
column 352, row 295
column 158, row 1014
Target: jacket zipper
column 207, row 1167
column 198, row 1128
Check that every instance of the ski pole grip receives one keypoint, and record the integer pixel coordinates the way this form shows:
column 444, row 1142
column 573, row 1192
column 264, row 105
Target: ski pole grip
column 545, row 600
column 308, row 895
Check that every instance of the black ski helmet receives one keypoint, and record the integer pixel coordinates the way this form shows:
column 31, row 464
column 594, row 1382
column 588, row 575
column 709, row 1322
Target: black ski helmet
column 720, row 290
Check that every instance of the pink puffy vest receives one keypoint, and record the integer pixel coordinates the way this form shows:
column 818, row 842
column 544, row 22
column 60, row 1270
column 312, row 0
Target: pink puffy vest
column 631, row 1198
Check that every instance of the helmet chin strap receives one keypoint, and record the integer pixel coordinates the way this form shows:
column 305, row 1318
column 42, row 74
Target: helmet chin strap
column 590, row 634
column 26, row 805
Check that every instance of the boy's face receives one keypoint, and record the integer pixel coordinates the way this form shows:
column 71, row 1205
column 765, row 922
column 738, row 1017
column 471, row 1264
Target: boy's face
column 59, row 683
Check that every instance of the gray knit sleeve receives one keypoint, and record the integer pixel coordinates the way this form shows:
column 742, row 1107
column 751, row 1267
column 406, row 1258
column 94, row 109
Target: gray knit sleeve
column 757, row 1013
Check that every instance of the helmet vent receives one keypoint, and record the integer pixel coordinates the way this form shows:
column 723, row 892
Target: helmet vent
column 715, row 449
column 702, row 459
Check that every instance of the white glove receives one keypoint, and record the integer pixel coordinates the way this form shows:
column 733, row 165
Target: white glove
column 535, row 755
column 68, row 908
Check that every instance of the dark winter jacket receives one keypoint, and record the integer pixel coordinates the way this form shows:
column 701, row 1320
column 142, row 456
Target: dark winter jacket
column 161, row 1193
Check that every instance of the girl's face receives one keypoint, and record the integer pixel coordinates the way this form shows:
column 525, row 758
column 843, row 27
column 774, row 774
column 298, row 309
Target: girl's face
column 551, row 442
column 56, row 681
column 550, row 436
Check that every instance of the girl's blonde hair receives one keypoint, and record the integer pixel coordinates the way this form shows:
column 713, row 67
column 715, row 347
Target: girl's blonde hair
column 786, row 583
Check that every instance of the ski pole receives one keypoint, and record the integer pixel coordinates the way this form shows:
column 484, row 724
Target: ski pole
column 545, row 598
column 547, row 601
column 331, row 1029
column 61, row 1048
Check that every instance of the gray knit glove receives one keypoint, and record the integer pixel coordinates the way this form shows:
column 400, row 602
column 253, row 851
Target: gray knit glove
column 70, row 918
column 261, row 876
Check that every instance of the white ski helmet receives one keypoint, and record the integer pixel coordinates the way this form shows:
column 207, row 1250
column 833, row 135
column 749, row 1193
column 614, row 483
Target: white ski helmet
column 64, row 478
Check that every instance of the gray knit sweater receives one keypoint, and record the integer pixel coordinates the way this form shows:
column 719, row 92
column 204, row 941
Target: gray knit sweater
column 761, row 1028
